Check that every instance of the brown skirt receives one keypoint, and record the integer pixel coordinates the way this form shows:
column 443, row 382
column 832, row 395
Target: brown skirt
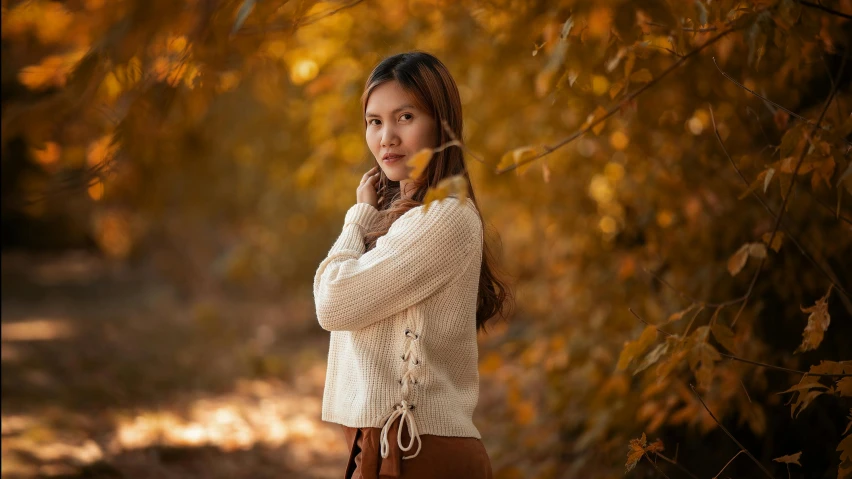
column 439, row 457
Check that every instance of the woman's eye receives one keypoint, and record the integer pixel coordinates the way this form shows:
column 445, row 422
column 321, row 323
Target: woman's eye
column 408, row 115
column 372, row 120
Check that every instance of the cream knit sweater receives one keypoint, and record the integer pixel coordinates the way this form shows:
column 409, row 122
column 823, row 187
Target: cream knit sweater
column 402, row 318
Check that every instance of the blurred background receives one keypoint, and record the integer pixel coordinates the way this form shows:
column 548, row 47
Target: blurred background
column 174, row 171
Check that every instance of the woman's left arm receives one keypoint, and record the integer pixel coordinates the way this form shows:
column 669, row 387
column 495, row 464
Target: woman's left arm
column 421, row 253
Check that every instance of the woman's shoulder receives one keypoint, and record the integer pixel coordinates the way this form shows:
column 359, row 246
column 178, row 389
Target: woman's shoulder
column 451, row 207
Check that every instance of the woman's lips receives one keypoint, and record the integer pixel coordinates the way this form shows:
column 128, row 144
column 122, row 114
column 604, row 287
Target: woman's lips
column 393, row 158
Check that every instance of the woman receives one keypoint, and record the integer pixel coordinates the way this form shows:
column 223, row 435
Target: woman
column 405, row 290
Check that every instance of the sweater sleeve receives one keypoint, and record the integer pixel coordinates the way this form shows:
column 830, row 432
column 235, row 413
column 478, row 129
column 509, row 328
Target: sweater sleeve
column 421, row 252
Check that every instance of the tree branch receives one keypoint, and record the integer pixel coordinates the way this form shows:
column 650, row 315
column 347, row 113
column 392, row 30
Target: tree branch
column 548, row 149
column 742, row 449
column 786, row 199
column 825, row 9
column 748, row 361
column 789, row 234
column 776, row 105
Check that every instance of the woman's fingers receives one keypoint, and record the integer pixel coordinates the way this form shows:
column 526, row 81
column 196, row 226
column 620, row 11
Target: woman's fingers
column 372, row 171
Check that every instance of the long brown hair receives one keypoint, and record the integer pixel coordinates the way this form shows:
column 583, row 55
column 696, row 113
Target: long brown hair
column 433, row 88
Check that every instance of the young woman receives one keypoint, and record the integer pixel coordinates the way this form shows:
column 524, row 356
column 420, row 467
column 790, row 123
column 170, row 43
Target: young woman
column 404, row 290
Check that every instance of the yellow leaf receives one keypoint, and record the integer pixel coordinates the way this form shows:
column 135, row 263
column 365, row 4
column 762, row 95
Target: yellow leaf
column 738, row 260
column 817, row 324
column 758, row 250
column 451, row 186
column 599, row 112
column 768, row 178
column 652, row 357
column 635, row 451
column 790, row 459
column 679, row 315
column 635, row 348
column 615, row 88
column 723, row 335
column 776, row 242
column 519, row 156
column 642, row 76
column 419, row 162
column 844, row 387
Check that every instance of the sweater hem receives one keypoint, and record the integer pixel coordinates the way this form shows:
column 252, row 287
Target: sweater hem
column 422, row 428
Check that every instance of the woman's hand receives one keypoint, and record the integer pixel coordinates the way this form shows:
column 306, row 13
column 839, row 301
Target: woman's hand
column 366, row 192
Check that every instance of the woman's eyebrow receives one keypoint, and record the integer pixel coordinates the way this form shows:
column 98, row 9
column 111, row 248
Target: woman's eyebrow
column 403, row 107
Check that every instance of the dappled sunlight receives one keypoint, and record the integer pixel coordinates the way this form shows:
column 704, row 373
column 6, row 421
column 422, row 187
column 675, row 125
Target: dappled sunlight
column 268, row 415
column 36, row 329
column 256, row 414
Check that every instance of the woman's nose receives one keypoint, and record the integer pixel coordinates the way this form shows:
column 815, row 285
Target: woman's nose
column 389, row 137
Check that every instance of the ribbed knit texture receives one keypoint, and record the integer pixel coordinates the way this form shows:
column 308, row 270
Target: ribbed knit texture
column 403, row 319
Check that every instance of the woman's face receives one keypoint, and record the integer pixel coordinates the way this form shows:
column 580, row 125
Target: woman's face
column 396, row 129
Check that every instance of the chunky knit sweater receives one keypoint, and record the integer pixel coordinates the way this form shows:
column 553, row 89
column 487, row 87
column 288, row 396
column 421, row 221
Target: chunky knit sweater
column 402, row 318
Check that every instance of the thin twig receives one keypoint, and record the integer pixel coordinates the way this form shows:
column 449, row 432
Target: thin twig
column 767, row 100
column 548, row 149
column 665, row 333
column 759, row 124
column 746, row 391
column 825, row 9
column 690, row 298
column 675, row 463
column 789, row 234
column 686, row 29
column 749, row 361
column 655, row 465
column 460, row 143
column 728, row 464
column 743, row 449
column 292, row 25
column 786, row 199
column 786, row 370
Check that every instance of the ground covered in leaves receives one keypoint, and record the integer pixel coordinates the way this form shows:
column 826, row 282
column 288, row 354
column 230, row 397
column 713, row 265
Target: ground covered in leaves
column 108, row 373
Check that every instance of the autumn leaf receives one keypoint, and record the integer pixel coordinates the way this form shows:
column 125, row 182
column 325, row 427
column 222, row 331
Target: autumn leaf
column 598, row 113
column 679, row 315
column 768, row 178
column 723, row 335
column 738, row 260
column 641, row 76
column 519, row 156
column 451, row 186
column 635, row 451
column 635, row 348
column 810, row 387
column 652, row 357
column 817, row 324
column 615, row 88
column 702, row 355
column 419, row 162
column 638, row 447
column 844, row 387
column 776, row 242
column 757, row 250
column 790, row 459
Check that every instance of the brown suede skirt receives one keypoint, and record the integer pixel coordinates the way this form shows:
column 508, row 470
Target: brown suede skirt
column 439, row 456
